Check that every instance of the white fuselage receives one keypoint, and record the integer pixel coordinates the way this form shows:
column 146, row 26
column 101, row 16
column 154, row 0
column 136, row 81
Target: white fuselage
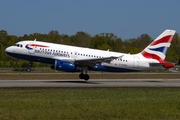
column 49, row 52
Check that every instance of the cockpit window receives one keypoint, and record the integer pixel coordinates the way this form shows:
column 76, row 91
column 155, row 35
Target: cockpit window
column 18, row 45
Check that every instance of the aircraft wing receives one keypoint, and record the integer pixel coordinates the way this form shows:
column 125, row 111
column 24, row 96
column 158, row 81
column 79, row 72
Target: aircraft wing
column 93, row 62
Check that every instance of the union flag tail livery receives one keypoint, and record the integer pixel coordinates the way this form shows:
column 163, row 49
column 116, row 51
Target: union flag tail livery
column 159, row 47
column 79, row 59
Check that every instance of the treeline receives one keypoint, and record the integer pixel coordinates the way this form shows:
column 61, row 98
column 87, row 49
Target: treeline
column 103, row 41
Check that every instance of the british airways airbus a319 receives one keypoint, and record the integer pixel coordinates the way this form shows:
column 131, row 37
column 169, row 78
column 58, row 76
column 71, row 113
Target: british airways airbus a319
column 79, row 59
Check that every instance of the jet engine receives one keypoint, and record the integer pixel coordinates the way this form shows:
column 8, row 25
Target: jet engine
column 65, row 66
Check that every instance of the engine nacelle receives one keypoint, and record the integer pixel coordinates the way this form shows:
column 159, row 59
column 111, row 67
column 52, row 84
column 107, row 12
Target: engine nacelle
column 65, row 66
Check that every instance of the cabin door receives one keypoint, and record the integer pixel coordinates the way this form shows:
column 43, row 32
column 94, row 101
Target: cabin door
column 31, row 47
column 136, row 62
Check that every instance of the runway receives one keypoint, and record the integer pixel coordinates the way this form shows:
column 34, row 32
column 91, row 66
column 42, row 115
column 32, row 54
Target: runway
column 68, row 83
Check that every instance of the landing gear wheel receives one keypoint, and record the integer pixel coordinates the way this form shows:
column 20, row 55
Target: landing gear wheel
column 81, row 76
column 86, row 77
column 28, row 69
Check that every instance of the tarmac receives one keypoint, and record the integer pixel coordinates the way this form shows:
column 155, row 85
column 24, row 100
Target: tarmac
column 94, row 83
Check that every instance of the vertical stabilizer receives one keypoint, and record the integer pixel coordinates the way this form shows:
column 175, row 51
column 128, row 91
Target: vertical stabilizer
column 159, row 47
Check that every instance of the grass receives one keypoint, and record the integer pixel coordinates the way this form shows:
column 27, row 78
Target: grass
column 91, row 103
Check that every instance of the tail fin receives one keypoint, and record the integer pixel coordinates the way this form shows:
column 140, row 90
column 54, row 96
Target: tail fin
column 159, row 47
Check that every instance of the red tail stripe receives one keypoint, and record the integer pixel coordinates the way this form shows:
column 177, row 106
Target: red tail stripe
column 166, row 39
column 149, row 55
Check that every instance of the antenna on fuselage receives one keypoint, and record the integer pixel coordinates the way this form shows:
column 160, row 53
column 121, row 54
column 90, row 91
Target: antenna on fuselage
column 35, row 40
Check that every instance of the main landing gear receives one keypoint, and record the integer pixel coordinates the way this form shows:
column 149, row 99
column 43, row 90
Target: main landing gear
column 84, row 76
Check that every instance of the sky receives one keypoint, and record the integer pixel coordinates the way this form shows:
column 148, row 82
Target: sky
column 124, row 18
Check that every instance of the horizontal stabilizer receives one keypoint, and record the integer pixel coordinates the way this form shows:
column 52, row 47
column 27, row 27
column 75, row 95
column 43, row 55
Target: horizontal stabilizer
column 165, row 65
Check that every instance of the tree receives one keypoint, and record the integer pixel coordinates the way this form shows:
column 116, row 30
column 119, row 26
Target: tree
column 129, row 42
column 53, row 36
column 3, row 37
column 143, row 41
column 175, row 47
column 104, row 46
column 119, row 46
column 132, row 50
column 97, row 41
column 2, row 52
column 65, row 39
column 82, row 39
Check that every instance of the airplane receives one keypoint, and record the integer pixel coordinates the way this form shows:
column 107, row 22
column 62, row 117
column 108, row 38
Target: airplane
column 79, row 59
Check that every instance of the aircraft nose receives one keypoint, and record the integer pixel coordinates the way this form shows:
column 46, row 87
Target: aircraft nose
column 8, row 50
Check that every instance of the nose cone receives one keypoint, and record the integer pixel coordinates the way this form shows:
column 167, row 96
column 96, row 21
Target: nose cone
column 8, row 50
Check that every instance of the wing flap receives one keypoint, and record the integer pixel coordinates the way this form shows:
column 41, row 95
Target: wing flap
column 93, row 62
